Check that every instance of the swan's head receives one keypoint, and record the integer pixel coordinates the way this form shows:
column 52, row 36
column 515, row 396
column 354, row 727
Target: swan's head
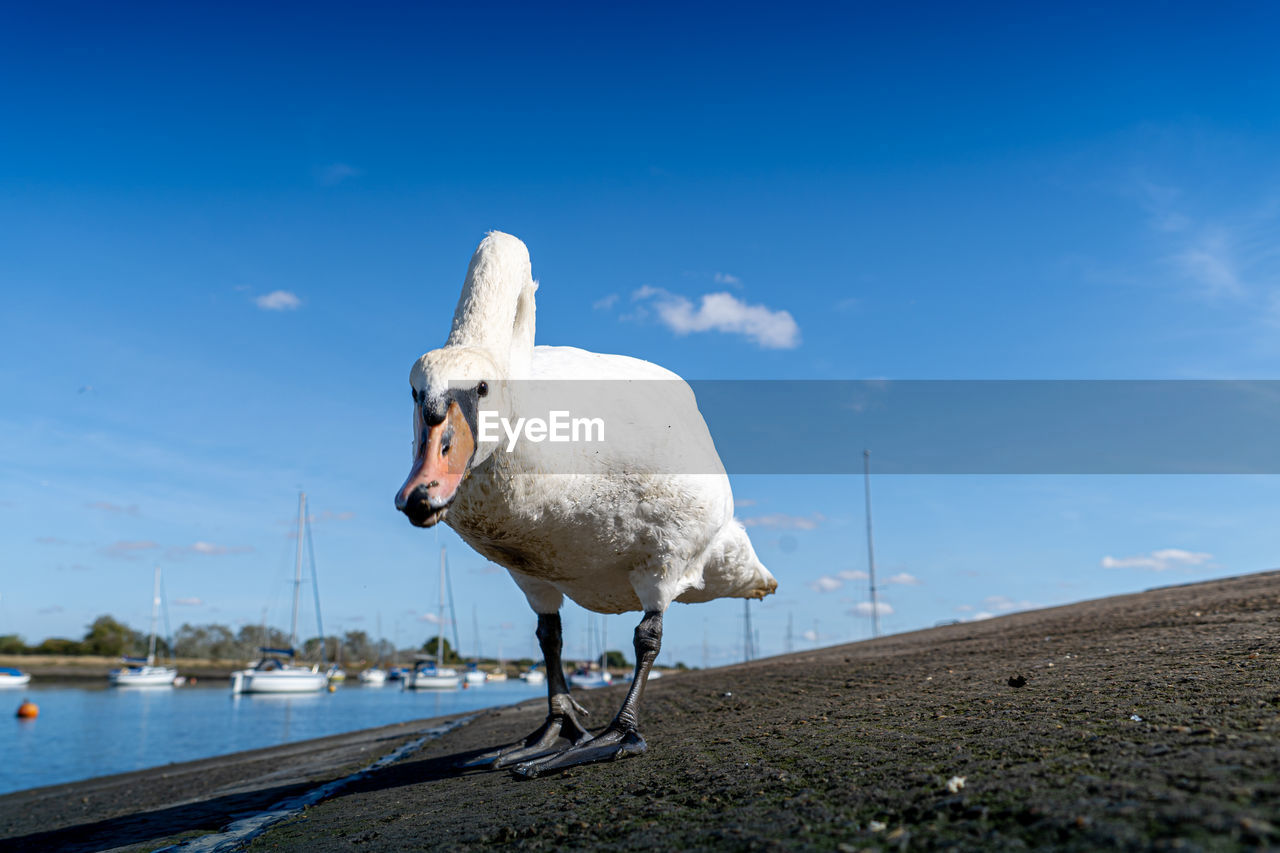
column 450, row 387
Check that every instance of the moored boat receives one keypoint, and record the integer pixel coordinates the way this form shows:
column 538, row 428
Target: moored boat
column 11, row 677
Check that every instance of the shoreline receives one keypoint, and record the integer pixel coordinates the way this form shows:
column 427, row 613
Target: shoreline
column 1150, row 719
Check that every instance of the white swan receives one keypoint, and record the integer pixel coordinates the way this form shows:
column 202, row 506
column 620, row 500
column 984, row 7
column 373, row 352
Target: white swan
column 632, row 524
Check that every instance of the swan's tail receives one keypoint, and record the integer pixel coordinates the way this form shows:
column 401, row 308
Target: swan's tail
column 732, row 569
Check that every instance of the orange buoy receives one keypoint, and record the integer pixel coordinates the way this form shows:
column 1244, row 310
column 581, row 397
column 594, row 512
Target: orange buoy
column 28, row 710
column 333, row 688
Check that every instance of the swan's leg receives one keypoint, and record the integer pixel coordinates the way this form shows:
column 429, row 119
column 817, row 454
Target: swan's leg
column 622, row 736
column 562, row 719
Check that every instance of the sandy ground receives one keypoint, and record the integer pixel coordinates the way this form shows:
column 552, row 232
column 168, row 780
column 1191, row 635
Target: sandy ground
column 1148, row 721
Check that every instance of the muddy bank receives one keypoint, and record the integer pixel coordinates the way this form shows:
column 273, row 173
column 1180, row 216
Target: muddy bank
column 82, row 668
column 1144, row 721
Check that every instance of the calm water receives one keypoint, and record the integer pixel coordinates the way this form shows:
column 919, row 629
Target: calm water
column 83, row 732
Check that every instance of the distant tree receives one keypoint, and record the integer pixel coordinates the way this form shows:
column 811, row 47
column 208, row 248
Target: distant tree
column 59, row 646
column 356, row 645
column 449, row 655
column 12, row 644
column 615, row 660
column 109, row 637
column 680, row 665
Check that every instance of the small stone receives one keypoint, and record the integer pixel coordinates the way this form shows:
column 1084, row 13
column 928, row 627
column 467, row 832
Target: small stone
column 1017, row 681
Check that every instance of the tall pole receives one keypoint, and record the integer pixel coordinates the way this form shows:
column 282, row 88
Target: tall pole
column 155, row 616
column 790, row 645
column 440, row 634
column 297, row 573
column 871, row 548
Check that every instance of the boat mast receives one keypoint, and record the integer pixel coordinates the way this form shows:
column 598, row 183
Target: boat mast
column 297, row 574
column 155, row 615
column 871, row 550
column 440, row 624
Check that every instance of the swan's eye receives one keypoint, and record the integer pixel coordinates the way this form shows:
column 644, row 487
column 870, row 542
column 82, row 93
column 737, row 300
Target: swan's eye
column 482, row 389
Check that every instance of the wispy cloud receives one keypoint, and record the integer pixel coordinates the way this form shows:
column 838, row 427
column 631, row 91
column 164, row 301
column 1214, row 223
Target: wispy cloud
column 826, row 583
column 864, row 608
column 831, row 583
column 783, row 521
column 188, row 602
column 743, row 502
column 278, row 300
column 726, row 278
column 128, row 550
column 208, row 549
column 432, row 619
column 903, row 579
column 107, row 506
column 53, row 608
column 335, row 173
column 605, row 303
column 330, row 515
column 1159, row 561
column 51, row 540
column 1210, row 263
column 722, row 312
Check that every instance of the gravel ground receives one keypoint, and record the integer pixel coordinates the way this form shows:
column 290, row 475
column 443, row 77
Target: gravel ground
column 1147, row 721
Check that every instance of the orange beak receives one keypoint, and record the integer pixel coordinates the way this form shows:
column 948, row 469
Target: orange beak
column 440, row 465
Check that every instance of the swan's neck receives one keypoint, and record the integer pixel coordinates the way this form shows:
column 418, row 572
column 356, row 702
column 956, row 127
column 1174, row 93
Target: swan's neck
column 487, row 315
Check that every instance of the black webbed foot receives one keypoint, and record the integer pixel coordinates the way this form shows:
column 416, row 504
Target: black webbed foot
column 561, row 725
column 609, row 745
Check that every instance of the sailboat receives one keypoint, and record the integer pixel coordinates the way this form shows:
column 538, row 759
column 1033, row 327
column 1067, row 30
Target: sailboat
column 588, row 678
column 11, row 677
column 474, row 676
column 375, row 676
column 430, row 673
column 143, row 672
column 276, row 672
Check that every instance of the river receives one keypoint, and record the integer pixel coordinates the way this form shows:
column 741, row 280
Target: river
column 83, row 732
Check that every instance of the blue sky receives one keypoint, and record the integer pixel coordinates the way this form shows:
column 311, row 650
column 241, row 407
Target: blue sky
column 226, row 231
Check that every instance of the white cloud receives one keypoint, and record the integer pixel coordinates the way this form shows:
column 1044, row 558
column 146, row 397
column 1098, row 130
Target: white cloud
column 107, row 506
column 1210, row 263
column 782, row 521
column 209, row 549
column 726, row 278
column 743, row 502
column 864, row 608
column 336, row 173
column 605, row 303
column 278, row 300
column 723, row 312
column 903, row 579
column 854, row 575
column 127, row 550
column 810, row 635
column 826, row 583
column 432, row 619
column 1159, row 561
column 188, row 602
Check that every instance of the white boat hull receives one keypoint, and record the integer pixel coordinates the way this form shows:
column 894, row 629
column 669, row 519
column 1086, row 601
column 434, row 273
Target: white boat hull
column 143, row 676
column 475, row 678
column 590, row 682
column 441, row 680
column 536, row 676
column 373, row 678
column 278, row 681
column 15, row 680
